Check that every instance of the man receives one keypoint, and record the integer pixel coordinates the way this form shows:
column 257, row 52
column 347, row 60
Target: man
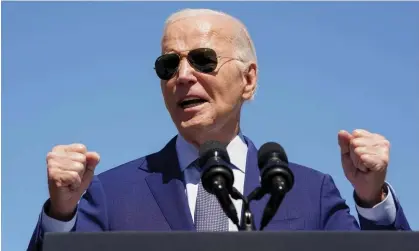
column 208, row 69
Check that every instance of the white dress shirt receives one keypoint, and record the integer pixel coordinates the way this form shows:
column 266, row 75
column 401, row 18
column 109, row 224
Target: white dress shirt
column 187, row 153
column 384, row 212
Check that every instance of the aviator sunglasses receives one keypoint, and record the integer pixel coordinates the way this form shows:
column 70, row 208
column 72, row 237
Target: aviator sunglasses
column 202, row 59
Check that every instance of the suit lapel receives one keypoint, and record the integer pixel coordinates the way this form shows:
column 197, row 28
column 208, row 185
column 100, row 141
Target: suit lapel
column 167, row 186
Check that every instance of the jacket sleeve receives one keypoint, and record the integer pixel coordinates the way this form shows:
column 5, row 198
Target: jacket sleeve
column 335, row 213
column 392, row 210
column 91, row 216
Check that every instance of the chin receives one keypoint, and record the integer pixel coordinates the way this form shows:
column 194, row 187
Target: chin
column 196, row 131
column 195, row 127
column 203, row 119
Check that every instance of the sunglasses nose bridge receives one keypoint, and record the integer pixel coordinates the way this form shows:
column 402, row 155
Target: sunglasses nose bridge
column 185, row 72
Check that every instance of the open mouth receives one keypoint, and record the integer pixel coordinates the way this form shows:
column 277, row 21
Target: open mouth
column 191, row 102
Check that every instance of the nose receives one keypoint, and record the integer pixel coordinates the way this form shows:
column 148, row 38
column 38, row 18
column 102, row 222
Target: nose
column 185, row 74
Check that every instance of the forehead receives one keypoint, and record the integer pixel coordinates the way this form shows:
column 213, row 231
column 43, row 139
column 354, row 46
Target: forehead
column 189, row 33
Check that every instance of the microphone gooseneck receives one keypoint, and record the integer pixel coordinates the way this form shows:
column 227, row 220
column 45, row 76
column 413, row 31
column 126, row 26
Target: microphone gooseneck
column 217, row 178
column 276, row 179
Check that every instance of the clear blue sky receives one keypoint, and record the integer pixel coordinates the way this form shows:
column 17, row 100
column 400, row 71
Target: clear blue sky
column 83, row 72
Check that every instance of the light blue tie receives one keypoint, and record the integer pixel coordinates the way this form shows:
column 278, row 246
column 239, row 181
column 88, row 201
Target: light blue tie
column 209, row 216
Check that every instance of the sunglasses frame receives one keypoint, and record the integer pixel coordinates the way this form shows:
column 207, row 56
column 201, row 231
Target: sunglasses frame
column 180, row 56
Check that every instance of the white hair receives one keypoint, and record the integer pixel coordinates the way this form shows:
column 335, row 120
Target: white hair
column 244, row 48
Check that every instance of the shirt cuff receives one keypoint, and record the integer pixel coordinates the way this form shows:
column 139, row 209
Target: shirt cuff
column 384, row 213
column 52, row 225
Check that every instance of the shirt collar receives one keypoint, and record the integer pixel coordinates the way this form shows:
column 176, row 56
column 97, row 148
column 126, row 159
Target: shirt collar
column 187, row 153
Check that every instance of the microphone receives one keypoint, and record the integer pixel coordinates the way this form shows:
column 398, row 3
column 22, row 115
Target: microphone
column 276, row 178
column 217, row 178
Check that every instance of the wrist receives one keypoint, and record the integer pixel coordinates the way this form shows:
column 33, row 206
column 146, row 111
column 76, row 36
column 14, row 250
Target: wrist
column 59, row 213
column 372, row 199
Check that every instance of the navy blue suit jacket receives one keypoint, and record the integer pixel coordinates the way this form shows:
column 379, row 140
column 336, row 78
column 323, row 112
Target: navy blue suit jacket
column 148, row 194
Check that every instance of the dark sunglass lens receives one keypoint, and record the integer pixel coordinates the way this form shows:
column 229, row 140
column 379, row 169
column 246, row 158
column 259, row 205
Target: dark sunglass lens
column 166, row 66
column 204, row 60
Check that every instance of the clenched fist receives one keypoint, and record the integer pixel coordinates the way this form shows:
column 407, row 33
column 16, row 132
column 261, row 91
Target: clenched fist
column 70, row 171
column 365, row 158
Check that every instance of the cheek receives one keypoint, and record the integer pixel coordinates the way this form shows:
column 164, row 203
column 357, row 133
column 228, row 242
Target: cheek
column 231, row 87
column 167, row 91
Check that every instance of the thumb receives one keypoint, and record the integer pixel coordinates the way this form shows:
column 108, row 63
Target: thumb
column 92, row 160
column 344, row 139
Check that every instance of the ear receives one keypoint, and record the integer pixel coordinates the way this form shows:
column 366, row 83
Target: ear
column 250, row 81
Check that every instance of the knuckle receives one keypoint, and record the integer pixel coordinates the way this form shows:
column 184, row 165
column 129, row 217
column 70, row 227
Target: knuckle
column 77, row 166
column 53, row 156
column 74, row 176
column 50, row 155
column 358, row 150
column 66, row 178
column 52, row 164
column 58, row 183
column 51, row 173
column 359, row 131
column 56, row 177
column 75, row 179
column 386, row 143
column 354, row 142
column 79, row 146
column 356, row 131
column 57, row 148
column 80, row 157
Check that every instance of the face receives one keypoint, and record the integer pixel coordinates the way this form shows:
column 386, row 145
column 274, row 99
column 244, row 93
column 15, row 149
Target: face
column 206, row 106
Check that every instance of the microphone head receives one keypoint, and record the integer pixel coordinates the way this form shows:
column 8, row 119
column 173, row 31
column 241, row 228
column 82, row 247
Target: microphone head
column 273, row 165
column 210, row 149
column 213, row 158
column 269, row 150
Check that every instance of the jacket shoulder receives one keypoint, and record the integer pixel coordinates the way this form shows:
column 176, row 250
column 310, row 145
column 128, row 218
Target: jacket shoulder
column 125, row 172
column 307, row 175
column 137, row 169
column 140, row 167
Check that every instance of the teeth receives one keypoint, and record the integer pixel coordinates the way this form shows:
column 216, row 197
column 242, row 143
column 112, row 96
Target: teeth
column 191, row 98
column 190, row 102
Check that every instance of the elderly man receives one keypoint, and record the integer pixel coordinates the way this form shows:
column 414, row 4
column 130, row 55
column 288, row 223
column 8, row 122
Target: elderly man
column 208, row 69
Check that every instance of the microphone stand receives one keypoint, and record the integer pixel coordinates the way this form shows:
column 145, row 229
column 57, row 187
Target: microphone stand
column 271, row 207
column 246, row 223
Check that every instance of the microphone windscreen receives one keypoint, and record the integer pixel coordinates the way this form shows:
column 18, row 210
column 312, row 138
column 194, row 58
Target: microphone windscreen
column 210, row 148
column 271, row 149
